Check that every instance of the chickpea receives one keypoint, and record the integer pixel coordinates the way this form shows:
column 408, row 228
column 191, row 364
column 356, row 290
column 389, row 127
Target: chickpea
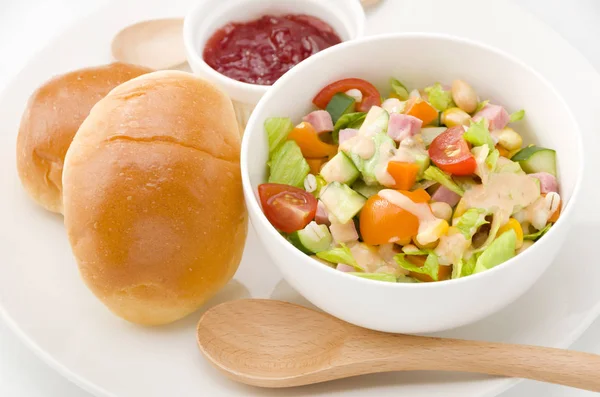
column 455, row 116
column 509, row 139
column 464, row 96
column 441, row 210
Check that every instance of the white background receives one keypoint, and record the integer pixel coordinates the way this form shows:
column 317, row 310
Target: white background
column 25, row 27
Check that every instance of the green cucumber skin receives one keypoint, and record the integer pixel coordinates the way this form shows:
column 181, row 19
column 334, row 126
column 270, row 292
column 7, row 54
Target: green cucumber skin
column 310, row 247
column 339, row 105
column 341, row 201
column 347, row 172
column 294, row 238
column 536, row 159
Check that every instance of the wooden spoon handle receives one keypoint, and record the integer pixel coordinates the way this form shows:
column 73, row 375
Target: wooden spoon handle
column 564, row 367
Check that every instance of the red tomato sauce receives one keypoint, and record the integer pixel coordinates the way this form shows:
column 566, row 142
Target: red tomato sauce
column 261, row 51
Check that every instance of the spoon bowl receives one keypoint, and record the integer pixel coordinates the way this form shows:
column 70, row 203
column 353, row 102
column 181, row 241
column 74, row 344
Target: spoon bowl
column 271, row 343
column 156, row 44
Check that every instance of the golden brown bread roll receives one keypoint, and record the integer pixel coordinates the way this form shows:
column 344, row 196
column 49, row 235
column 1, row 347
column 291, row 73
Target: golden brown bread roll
column 54, row 113
column 153, row 199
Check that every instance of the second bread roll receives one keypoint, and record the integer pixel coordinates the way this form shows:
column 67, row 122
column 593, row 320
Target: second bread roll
column 153, row 199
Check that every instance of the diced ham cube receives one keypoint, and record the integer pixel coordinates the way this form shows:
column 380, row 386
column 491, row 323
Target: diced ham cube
column 320, row 120
column 402, row 126
column 548, row 182
column 344, row 232
column 445, row 195
column 345, row 268
column 496, row 115
column 322, row 217
column 346, row 134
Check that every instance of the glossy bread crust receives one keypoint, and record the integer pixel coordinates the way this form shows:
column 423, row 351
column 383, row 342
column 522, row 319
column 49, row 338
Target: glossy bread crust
column 53, row 114
column 153, row 198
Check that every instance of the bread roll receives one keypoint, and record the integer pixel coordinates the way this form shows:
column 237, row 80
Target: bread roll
column 153, row 199
column 54, row 113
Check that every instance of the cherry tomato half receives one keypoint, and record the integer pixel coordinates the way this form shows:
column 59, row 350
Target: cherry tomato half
column 451, row 153
column 370, row 94
column 287, row 207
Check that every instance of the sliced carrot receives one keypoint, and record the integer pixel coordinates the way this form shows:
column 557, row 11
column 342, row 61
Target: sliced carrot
column 444, row 272
column 424, row 111
column 311, row 146
column 554, row 217
column 315, row 165
column 405, row 174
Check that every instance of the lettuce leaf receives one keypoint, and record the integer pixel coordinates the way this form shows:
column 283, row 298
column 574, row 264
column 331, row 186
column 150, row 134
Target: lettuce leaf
column 340, row 254
column 278, row 128
column 433, row 173
column 288, row 166
column 348, row 120
column 516, row 116
column 492, row 159
column 390, row 278
column 464, row 267
column 537, row 235
column 478, row 134
column 470, row 221
column 430, row 268
column 439, row 98
column 500, row 250
column 399, row 89
column 481, row 105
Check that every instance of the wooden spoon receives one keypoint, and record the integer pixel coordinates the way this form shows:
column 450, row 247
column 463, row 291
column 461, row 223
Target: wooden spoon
column 158, row 44
column 271, row 343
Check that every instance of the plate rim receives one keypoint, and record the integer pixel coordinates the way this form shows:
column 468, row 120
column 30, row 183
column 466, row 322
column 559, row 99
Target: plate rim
column 500, row 384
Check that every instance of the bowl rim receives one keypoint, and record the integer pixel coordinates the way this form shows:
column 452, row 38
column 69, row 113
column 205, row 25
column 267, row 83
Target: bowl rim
column 252, row 133
column 193, row 22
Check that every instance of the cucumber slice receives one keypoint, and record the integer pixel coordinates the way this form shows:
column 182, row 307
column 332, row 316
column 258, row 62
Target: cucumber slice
column 382, row 143
column 376, row 121
column 339, row 105
column 340, row 169
column 341, row 201
column 365, row 190
column 423, row 161
column 536, row 159
column 312, row 239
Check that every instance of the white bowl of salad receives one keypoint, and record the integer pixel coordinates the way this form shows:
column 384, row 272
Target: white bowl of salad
column 412, row 182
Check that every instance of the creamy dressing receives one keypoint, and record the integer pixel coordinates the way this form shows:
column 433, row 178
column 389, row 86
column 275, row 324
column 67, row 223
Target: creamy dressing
column 407, row 153
column 504, row 194
column 367, row 257
column 538, row 213
column 360, row 144
column 428, row 222
column 451, row 248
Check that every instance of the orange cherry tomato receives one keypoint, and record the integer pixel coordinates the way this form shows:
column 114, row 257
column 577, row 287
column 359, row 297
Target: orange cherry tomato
column 451, row 153
column 423, row 111
column 444, row 272
column 287, row 207
column 371, row 96
column 308, row 140
column 405, row 174
column 382, row 222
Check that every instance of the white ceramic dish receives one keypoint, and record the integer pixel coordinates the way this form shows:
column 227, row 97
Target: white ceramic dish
column 346, row 17
column 418, row 60
column 45, row 303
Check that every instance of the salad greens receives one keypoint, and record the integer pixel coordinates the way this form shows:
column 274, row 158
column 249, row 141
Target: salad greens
column 401, row 175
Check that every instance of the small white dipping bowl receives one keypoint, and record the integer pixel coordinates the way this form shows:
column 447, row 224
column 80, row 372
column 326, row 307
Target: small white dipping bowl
column 417, row 60
column 346, row 17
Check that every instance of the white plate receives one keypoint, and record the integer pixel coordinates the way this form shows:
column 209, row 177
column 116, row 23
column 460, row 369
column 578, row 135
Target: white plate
column 44, row 301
